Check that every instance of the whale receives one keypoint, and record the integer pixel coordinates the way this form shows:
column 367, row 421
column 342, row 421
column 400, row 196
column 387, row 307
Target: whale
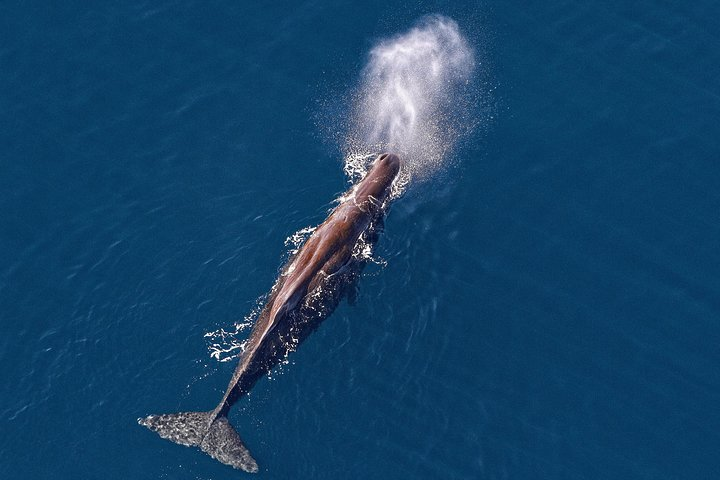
column 311, row 284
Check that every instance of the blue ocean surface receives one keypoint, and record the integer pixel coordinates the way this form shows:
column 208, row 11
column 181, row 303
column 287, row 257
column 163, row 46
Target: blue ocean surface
column 548, row 307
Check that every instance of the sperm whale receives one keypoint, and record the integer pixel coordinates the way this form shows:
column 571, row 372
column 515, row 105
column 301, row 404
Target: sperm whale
column 307, row 291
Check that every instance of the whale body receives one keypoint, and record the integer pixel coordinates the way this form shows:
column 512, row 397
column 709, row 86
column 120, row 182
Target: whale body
column 307, row 291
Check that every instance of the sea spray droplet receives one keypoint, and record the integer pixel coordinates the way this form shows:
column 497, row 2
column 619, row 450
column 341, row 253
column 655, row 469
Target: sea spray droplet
column 414, row 97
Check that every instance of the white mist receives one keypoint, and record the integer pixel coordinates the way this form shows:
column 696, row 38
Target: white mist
column 413, row 99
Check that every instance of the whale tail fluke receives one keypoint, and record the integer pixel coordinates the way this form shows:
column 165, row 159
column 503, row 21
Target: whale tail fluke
column 215, row 437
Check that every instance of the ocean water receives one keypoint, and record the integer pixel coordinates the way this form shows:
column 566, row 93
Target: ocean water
column 548, row 305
